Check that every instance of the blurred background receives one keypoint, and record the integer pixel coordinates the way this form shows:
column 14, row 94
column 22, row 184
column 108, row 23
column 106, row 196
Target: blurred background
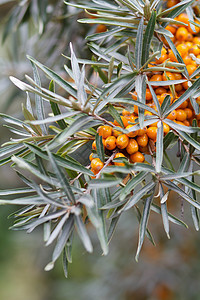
column 169, row 271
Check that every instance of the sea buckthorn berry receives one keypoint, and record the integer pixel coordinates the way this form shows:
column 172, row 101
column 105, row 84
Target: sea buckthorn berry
column 160, row 90
column 122, row 141
column 180, row 123
column 162, row 97
column 182, row 49
column 172, row 115
column 134, row 95
column 188, row 112
column 110, row 143
column 101, row 28
column 163, row 57
column 136, row 109
column 124, row 121
column 126, row 112
column 181, row 115
column 183, row 105
column 169, row 76
column 132, row 146
column 178, row 76
column 148, row 95
column 198, row 100
column 191, row 69
column 152, row 133
column 172, row 56
column 186, row 123
column 144, row 150
column 104, row 131
column 156, row 77
column 185, row 85
column 183, row 18
column 117, row 155
column 187, row 60
column 181, row 34
column 142, row 140
column 171, row 3
column 197, row 117
column 178, row 88
column 195, row 50
column 196, row 40
column 142, row 131
column 97, row 164
column 166, row 128
column 132, row 133
column 137, row 157
column 91, row 157
column 171, row 28
column 94, row 147
column 116, row 133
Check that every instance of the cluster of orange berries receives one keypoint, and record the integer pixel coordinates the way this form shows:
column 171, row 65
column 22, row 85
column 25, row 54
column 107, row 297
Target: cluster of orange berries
column 136, row 143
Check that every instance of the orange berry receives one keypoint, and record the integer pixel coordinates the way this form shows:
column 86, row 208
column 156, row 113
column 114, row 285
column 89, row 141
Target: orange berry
column 181, row 34
column 198, row 100
column 183, row 105
column 110, row 143
column 166, row 128
column 132, row 146
column 97, row 164
column 181, row 115
column 122, row 141
column 132, row 133
column 142, row 131
column 104, row 131
column 172, row 56
column 101, row 28
column 117, row 155
column 124, row 120
column 186, row 123
column 116, row 133
column 196, row 40
column 171, row 28
column 171, row 3
column 185, row 85
column 126, row 112
column 191, row 69
column 152, row 133
column 177, row 76
column 188, row 112
column 148, row 95
column 94, row 147
column 163, row 57
column 195, row 50
column 144, row 149
column 178, row 87
column 169, row 76
column 142, row 140
column 160, row 90
column 172, row 115
column 187, row 60
column 137, row 157
column 134, row 95
column 182, row 49
column 183, row 18
column 156, row 77
column 91, row 157
column 180, row 123
column 197, row 117
column 162, row 97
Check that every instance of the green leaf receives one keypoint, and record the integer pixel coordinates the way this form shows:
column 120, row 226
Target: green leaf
column 131, row 185
column 148, row 37
column 55, row 107
column 65, row 185
column 159, row 147
column 104, row 183
column 55, row 77
column 39, row 103
column 140, row 88
column 143, row 224
column 138, row 44
column 82, row 232
column 138, row 196
column 66, row 162
column 116, row 116
column 164, row 211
